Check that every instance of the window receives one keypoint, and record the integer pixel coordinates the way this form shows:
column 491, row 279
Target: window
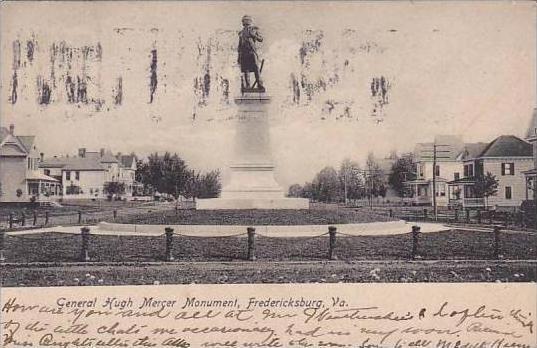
column 440, row 190
column 47, row 171
column 77, row 175
column 437, row 170
column 508, row 192
column 67, row 175
column 29, row 163
column 456, row 176
column 468, row 170
column 508, row 169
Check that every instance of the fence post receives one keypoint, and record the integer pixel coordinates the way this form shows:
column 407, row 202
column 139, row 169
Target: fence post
column 169, row 243
column 46, row 218
column 79, row 216
column 456, row 215
column 251, row 243
column 467, row 215
column 425, row 213
column 35, row 218
column 84, row 255
column 115, row 215
column 2, row 246
column 10, row 220
column 23, row 219
column 391, row 213
column 415, row 236
column 491, row 215
column 332, row 230
column 479, row 216
column 496, row 231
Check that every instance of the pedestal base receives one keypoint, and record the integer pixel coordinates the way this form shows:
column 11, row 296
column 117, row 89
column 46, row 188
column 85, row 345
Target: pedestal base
column 252, row 203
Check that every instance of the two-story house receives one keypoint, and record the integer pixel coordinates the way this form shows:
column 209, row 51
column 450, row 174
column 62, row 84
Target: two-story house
column 127, row 174
column 507, row 158
column 447, row 166
column 86, row 176
column 21, row 181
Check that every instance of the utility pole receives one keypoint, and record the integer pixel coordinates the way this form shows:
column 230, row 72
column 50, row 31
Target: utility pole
column 435, row 158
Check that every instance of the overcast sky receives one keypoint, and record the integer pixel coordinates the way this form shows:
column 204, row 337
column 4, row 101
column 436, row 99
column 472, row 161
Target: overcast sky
column 453, row 68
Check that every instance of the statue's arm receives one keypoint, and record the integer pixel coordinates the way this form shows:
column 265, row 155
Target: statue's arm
column 256, row 34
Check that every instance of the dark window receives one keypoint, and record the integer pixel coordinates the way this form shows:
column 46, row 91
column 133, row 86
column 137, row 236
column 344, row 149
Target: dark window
column 456, row 176
column 47, row 171
column 508, row 169
column 508, row 192
column 468, row 170
column 67, row 175
column 437, row 170
column 77, row 175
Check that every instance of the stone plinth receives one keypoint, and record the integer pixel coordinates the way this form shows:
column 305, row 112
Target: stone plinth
column 251, row 181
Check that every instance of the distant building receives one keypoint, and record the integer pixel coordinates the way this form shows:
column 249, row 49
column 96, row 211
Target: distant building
column 20, row 178
column 87, row 175
column 507, row 158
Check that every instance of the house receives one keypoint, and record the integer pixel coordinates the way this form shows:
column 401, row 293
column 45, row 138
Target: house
column 89, row 174
column 507, row 158
column 448, row 166
column 531, row 175
column 20, row 178
column 127, row 174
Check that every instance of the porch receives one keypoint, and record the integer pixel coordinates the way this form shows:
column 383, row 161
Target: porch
column 461, row 194
column 418, row 192
column 42, row 188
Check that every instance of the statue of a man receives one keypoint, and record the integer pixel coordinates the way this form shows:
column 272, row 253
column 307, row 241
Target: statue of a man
column 248, row 57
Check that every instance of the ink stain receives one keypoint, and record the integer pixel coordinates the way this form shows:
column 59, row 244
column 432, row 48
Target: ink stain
column 153, row 78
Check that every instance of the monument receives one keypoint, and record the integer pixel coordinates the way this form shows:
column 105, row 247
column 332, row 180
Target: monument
column 252, row 184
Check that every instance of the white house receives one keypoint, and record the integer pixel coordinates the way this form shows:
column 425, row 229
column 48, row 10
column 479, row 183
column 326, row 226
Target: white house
column 21, row 181
column 87, row 175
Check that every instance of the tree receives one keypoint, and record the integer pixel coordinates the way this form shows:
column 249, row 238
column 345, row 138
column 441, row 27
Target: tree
column 351, row 184
column 486, row 186
column 375, row 182
column 326, row 187
column 165, row 174
column 295, row 190
column 403, row 169
column 114, row 188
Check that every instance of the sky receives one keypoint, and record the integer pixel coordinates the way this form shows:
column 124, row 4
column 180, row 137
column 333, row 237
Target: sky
column 449, row 68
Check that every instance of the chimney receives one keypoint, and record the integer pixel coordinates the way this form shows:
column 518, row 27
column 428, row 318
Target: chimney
column 102, row 152
column 42, row 155
column 82, row 152
column 12, row 129
column 119, row 155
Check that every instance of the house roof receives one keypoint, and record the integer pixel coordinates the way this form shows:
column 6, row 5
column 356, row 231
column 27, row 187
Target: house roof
column 26, row 141
column 508, row 146
column 448, row 148
column 73, row 163
column 472, row 150
column 127, row 160
column 32, row 175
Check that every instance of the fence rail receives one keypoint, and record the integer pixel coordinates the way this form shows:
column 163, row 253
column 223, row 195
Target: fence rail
column 247, row 245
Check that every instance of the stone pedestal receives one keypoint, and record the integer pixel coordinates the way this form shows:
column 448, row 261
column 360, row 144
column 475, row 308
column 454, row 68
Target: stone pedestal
column 251, row 183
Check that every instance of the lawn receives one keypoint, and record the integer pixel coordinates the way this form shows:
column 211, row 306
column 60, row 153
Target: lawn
column 317, row 215
column 270, row 272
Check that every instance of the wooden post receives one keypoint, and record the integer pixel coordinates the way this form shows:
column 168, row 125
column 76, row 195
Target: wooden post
column 391, row 212
column 496, row 231
column 10, row 220
column 251, row 243
column 2, row 246
column 46, row 218
column 23, row 219
column 79, row 216
column 479, row 216
column 425, row 213
column 169, row 243
column 84, row 255
column 491, row 215
column 467, row 215
column 456, row 215
column 35, row 218
column 415, row 236
column 115, row 215
column 332, row 243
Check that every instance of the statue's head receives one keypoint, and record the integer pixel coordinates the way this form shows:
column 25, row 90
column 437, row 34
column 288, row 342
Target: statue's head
column 246, row 20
